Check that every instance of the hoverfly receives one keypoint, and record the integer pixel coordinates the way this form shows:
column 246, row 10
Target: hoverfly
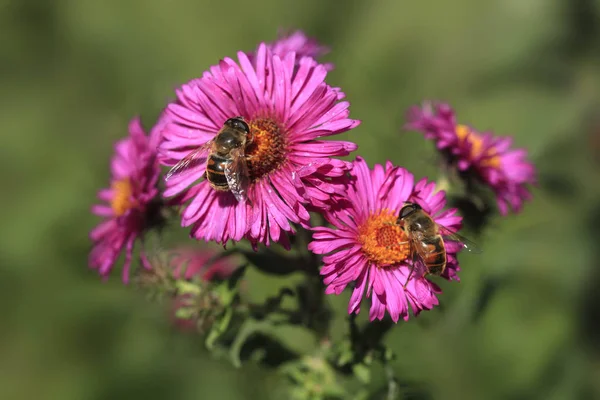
column 226, row 168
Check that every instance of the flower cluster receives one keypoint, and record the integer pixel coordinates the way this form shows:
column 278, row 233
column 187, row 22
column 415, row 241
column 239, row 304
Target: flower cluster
column 251, row 149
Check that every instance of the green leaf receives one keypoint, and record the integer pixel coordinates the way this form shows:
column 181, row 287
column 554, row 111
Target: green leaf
column 344, row 353
column 362, row 372
column 236, row 276
column 218, row 328
column 228, row 290
column 273, row 263
column 273, row 303
column 185, row 287
column 184, row 313
column 249, row 327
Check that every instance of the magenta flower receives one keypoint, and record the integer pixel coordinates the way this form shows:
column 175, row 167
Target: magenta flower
column 194, row 262
column 368, row 248
column 288, row 109
column 132, row 201
column 300, row 44
column 487, row 157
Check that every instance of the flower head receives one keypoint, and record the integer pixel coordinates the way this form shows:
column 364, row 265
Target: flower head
column 300, row 44
column 367, row 246
column 131, row 204
column 487, row 157
column 188, row 263
column 288, row 108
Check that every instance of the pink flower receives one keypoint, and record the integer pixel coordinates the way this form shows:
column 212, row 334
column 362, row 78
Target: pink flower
column 131, row 204
column 300, row 44
column 288, row 109
column 488, row 157
column 194, row 262
column 368, row 248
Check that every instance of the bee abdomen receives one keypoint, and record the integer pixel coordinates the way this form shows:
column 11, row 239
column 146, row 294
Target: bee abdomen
column 436, row 259
column 215, row 172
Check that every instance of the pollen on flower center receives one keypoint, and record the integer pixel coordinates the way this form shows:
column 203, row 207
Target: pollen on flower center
column 122, row 197
column 267, row 149
column 383, row 241
column 490, row 159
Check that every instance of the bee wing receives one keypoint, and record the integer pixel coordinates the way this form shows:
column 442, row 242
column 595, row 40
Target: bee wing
column 236, row 173
column 193, row 158
column 418, row 255
column 467, row 244
column 417, row 266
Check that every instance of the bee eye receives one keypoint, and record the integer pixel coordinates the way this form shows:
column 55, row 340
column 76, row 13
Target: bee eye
column 238, row 123
column 407, row 210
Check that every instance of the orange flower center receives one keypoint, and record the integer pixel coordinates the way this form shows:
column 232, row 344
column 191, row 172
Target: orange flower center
column 383, row 241
column 267, row 149
column 122, row 197
column 490, row 159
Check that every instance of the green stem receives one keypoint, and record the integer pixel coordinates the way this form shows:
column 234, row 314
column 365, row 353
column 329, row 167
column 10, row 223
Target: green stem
column 392, row 392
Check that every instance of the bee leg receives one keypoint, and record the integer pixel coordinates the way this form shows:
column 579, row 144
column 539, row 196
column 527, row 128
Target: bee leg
column 395, row 244
column 412, row 267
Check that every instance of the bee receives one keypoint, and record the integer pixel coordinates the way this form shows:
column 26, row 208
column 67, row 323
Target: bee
column 426, row 239
column 226, row 167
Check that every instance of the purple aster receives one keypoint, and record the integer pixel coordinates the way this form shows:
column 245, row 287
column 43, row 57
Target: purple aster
column 131, row 204
column 288, row 107
column 300, row 44
column 366, row 246
column 194, row 261
column 488, row 157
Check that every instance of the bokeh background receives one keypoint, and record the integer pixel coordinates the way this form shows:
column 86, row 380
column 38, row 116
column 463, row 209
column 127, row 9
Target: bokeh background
column 522, row 323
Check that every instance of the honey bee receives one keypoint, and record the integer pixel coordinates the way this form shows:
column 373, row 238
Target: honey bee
column 426, row 240
column 226, row 168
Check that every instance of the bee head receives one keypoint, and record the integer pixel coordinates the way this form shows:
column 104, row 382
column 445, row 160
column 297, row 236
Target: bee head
column 408, row 209
column 238, row 123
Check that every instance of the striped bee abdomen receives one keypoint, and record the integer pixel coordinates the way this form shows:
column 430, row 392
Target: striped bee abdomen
column 435, row 257
column 215, row 172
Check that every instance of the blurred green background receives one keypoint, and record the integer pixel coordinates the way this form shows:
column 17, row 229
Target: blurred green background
column 521, row 324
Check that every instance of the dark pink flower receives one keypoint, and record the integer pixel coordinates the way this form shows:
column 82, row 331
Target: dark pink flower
column 131, row 204
column 488, row 157
column 194, row 263
column 367, row 248
column 289, row 108
column 300, row 44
